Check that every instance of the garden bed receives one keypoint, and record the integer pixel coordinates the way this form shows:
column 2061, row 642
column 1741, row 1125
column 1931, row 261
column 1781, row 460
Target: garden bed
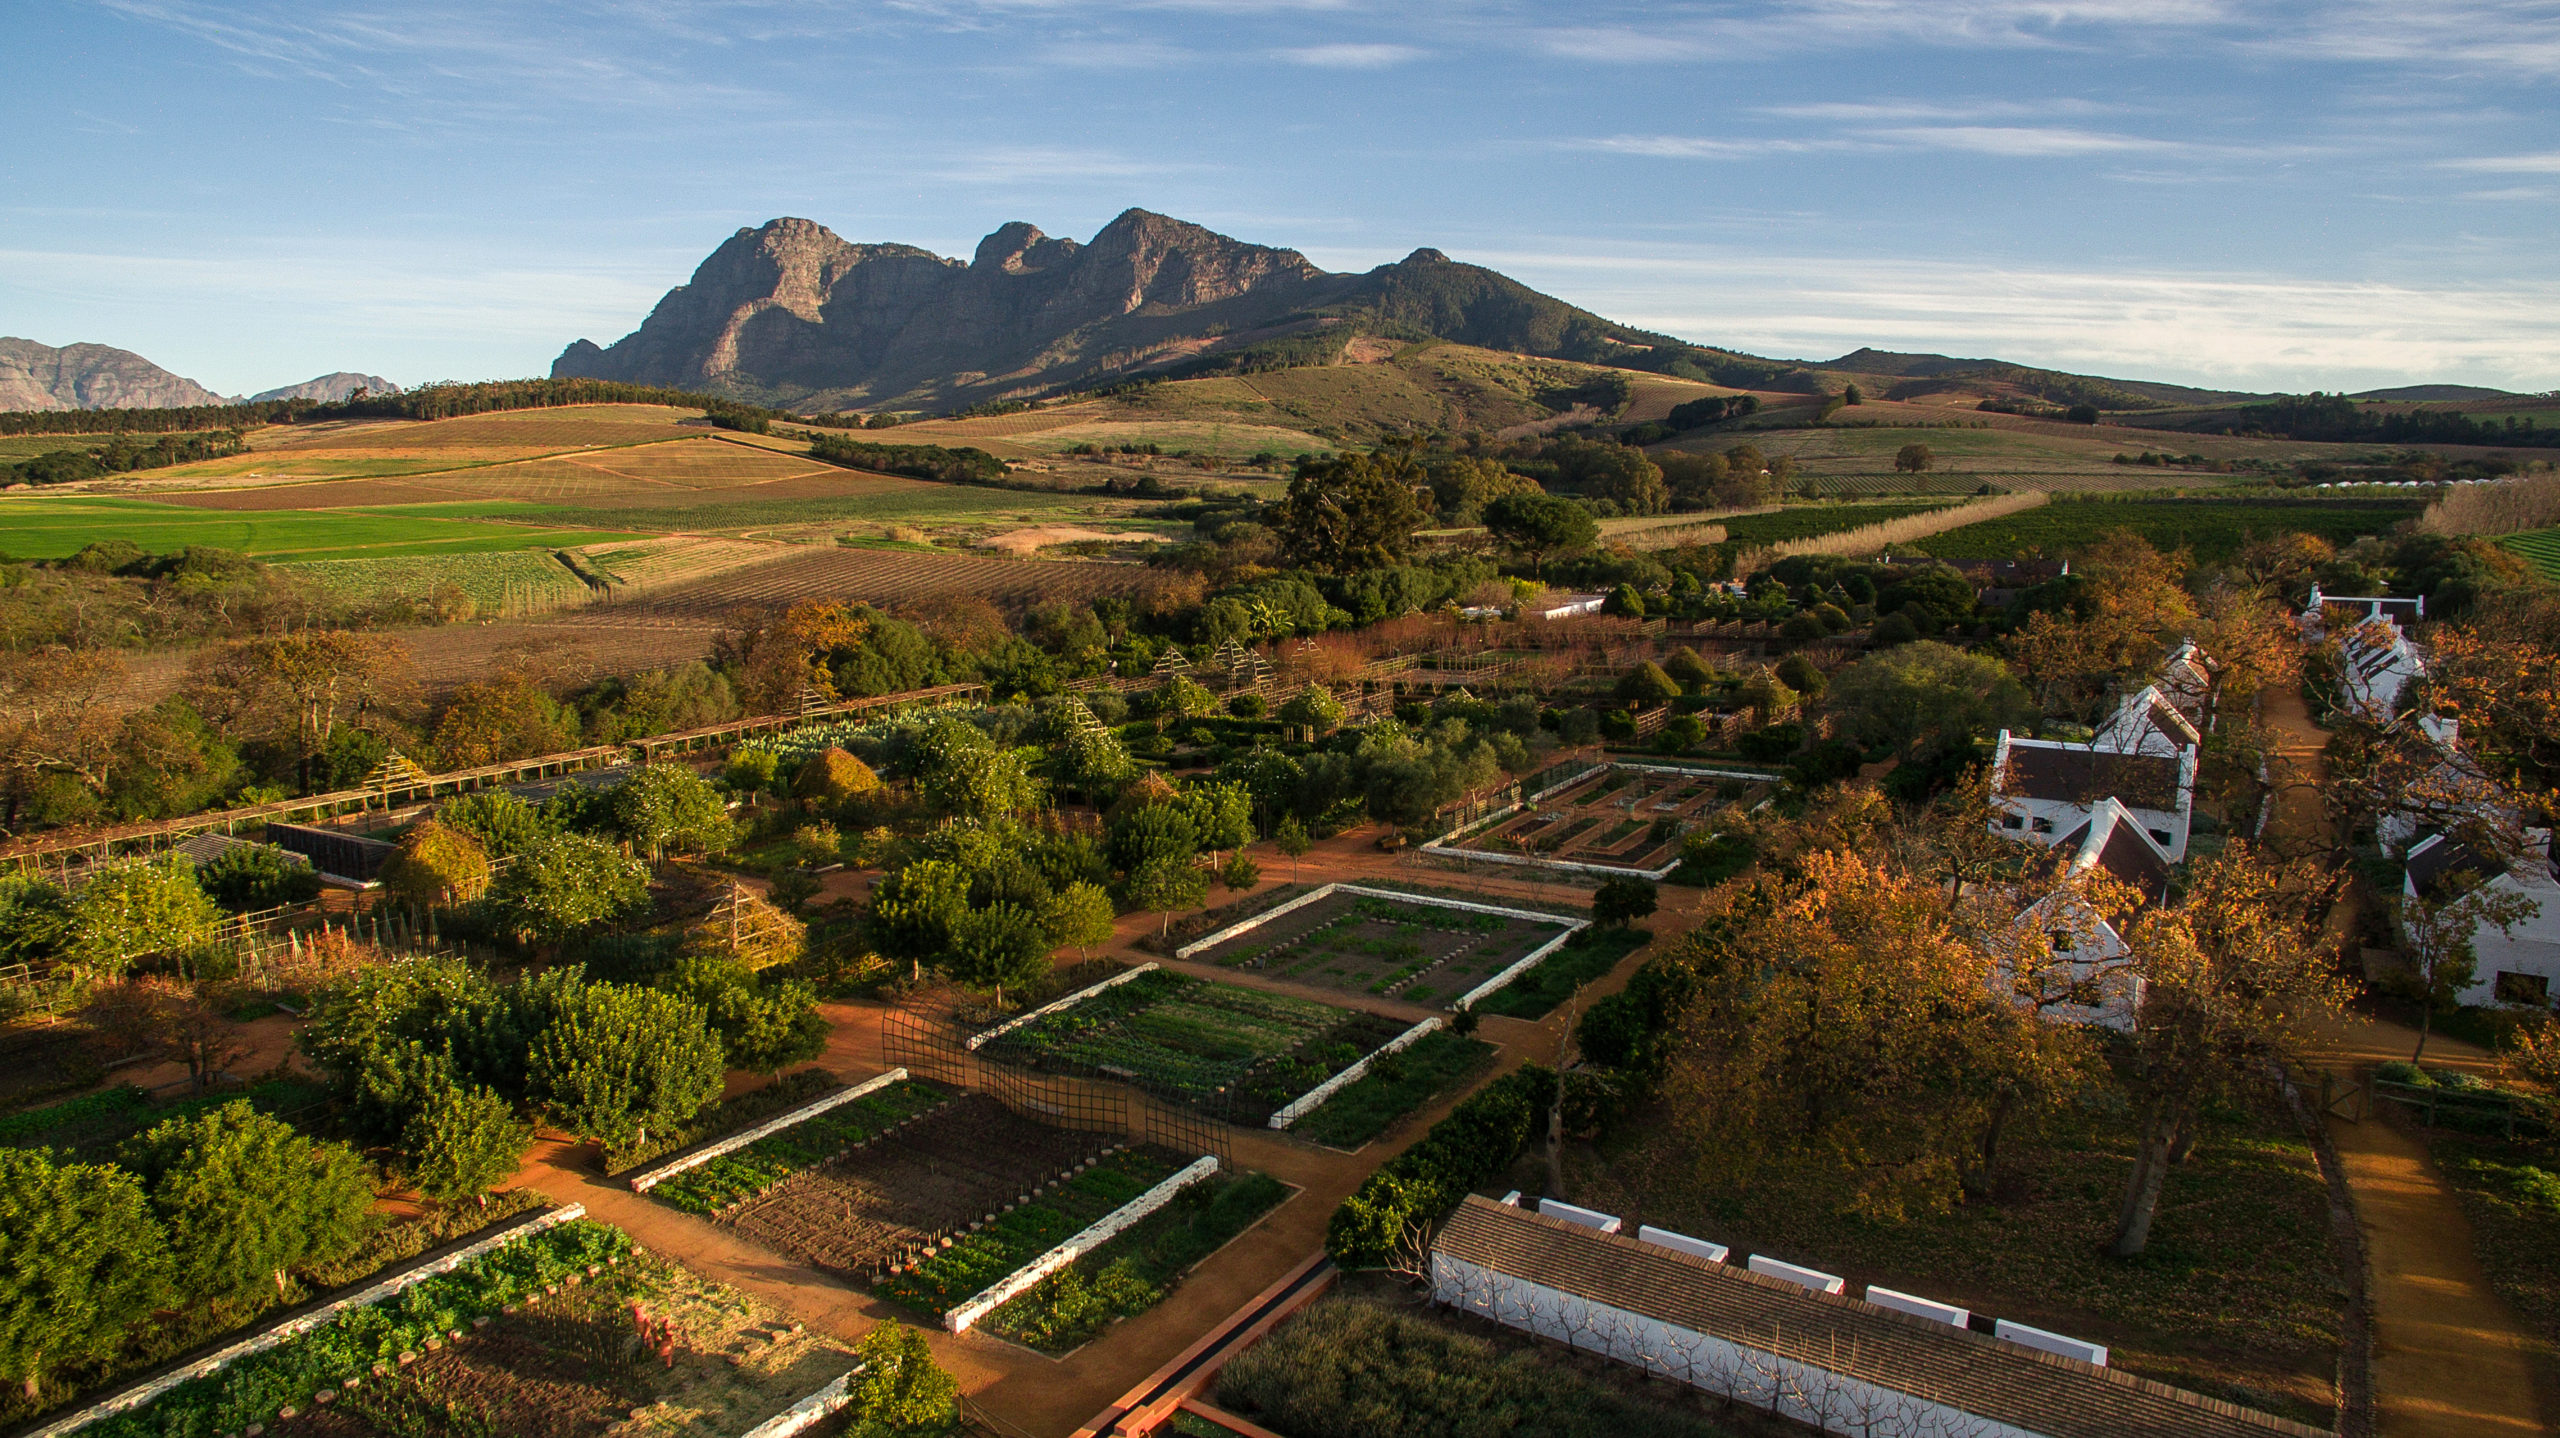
column 1238, row 1054
column 993, row 1250
column 1406, row 949
column 1136, row 1269
column 724, row 1118
column 721, row 1183
column 1623, row 819
column 1394, row 1086
column 882, row 1204
column 96, row 1122
column 1584, row 957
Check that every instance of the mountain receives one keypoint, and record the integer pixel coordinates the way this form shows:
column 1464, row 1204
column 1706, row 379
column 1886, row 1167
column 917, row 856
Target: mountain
column 791, row 313
column 330, row 388
column 2433, row 393
column 1936, row 374
column 38, row 376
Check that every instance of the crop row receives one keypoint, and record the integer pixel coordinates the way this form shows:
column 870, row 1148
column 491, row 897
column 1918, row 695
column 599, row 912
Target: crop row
column 372, row 1340
column 2213, row 529
column 968, row 1264
column 743, row 1173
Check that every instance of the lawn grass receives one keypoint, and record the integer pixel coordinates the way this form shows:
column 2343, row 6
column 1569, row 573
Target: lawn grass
column 2511, row 1193
column 1135, row 1270
column 2237, row 1295
column 1355, row 1367
column 1584, row 957
column 1394, row 1086
column 2212, row 529
column 56, row 526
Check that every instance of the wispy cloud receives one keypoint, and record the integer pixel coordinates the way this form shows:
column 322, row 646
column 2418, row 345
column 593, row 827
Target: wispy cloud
column 2246, row 330
column 2018, row 140
column 1350, row 56
column 1700, row 147
column 2546, row 163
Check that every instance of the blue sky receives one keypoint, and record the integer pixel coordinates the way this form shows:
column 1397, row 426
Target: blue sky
column 2290, row 195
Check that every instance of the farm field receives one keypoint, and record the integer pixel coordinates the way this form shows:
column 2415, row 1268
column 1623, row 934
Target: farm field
column 2540, row 548
column 55, row 526
column 1234, row 1053
column 880, row 1205
column 1620, row 818
column 1411, row 950
column 523, row 581
column 1803, row 521
column 2213, row 529
column 874, row 575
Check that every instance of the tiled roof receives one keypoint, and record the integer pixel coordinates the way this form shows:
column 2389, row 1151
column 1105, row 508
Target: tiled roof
column 2130, row 856
column 1999, row 1381
column 2077, row 774
column 2436, row 862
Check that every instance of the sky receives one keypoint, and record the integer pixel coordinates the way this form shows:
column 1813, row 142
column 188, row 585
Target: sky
column 2341, row 194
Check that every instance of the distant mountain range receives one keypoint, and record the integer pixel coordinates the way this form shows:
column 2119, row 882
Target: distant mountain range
column 85, row 376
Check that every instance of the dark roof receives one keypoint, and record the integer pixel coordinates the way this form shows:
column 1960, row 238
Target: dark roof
column 1999, row 1381
column 2129, row 856
column 2172, row 724
column 2078, row 774
column 2437, row 863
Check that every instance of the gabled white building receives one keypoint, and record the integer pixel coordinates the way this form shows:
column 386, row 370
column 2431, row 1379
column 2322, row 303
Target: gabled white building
column 2186, row 678
column 2325, row 610
column 2520, row 965
column 2091, row 979
column 2048, row 789
column 2378, row 663
column 2149, row 721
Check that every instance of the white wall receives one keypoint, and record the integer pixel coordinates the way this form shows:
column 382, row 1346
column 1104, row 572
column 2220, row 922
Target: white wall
column 1801, row 1391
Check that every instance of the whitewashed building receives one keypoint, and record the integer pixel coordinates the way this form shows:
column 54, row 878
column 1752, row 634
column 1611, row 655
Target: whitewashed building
column 2519, row 965
column 2091, row 979
column 2048, row 789
column 2149, row 721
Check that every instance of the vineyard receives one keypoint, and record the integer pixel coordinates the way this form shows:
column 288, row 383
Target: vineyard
column 56, row 526
column 2212, row 529
column 2540, row 548
column 507, row 585
column 873, row 576
column 1356, row 943
column 1234, row 1053
column 1807, row 521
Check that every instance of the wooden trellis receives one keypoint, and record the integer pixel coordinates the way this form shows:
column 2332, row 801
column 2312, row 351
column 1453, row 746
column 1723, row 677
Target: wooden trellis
column 744, row 926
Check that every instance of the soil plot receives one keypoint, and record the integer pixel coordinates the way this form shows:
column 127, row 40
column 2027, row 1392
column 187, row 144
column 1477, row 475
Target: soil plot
column 888, row 1201
column 1617, row 818
column 1358, row 943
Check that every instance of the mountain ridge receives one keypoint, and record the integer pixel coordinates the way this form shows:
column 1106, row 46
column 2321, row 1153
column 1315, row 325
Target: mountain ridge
column 38, row 376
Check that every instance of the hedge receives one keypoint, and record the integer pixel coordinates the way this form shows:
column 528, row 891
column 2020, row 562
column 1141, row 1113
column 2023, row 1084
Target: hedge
column 1421, row 1186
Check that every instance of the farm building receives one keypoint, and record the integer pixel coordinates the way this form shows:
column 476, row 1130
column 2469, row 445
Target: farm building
column 2323, row 610
column 2149, row 722
column 2049, row 789
column 2091, row 982
column 1889, row 1367
column 2379, row 662
column 2186, row 677
column 2516, row 966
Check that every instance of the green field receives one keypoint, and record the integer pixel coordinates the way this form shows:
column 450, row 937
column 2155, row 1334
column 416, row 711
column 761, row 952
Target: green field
column 2540, row 548
column 2212, row 529
column 52, row 527
column 517, row 579
column 1807, row 520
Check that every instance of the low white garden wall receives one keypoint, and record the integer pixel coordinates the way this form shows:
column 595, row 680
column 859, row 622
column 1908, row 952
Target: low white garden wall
column 1536, row 956
column 806, row 1413
column 1070, row 1001
column 643, row 1182
column 294, row 1327
column 1313, row 1099
column 1112, row 1224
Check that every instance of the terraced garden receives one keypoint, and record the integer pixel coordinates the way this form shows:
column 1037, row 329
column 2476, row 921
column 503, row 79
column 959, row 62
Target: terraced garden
column 1404, row 949
column 1620, row 819
column 1235, row 1053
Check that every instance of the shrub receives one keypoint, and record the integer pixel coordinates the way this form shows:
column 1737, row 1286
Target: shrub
column 1241, row 871
column 1418, row 1188
column 138, row 909
column 568, row 883
column 436, row 865
column 832, row 776
column 247, row 877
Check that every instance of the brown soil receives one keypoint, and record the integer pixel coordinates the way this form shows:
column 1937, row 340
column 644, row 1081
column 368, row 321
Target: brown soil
column 2450, row 1359
column 1026, row 541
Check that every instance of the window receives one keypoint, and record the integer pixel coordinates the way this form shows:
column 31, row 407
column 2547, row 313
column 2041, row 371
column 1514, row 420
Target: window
column 2061, row 940
column 2161, row 837
column 2514, row 988
column 2044, row 826
column 2015, row 821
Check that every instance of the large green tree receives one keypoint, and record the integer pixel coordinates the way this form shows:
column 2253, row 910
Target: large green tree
column 616, row 1062
column 1537, row 526
column 138, row 909
column 669, row 809
column 1000, row 946
column 569, row 882
column 1351, row 513
column 81, row 1261
column 245, row 1198
column 1926, row 694
column 915, row 908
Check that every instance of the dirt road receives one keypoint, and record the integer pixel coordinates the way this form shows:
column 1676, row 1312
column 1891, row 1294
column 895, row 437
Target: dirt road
column 2450, row 1359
